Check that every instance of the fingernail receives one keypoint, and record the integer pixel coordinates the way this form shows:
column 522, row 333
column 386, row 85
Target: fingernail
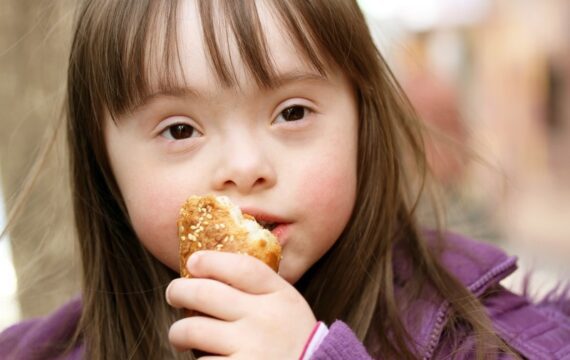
column 167, row 294
column 192, row 261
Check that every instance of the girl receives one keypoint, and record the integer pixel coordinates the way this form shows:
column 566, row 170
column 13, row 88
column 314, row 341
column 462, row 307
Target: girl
column 288, row 108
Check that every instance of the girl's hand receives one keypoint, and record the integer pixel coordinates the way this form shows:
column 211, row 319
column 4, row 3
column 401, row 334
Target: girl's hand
column 249, row 312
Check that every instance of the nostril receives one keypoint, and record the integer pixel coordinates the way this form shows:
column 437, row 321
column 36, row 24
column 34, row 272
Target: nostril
column 229, row 183
column 243, row 184
column 244, row 175
column 260, row 181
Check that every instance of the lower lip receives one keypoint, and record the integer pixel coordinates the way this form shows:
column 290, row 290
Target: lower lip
column 280, row 232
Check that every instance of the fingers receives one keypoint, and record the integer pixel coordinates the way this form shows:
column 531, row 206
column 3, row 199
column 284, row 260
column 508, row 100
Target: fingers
column 207, row 296
column 240, row 271
column 202, row 333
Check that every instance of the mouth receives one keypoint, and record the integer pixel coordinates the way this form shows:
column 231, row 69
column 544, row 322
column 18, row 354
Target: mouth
column 278, row 229
column 268, row 225
column 275, row 224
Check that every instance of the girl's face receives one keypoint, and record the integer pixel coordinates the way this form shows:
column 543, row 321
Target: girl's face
column 286, row 154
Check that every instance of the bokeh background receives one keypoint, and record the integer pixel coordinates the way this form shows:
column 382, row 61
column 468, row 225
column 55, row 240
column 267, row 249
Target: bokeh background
column 491, row 78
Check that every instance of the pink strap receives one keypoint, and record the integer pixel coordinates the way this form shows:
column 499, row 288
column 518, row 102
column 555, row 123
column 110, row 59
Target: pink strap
column 309, row 340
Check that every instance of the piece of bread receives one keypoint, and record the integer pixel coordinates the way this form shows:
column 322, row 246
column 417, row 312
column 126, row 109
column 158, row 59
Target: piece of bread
column 214, row 223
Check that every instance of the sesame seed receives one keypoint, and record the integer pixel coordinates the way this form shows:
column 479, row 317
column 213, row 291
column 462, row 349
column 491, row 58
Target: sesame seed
column 192, row 237
column 181, row 228
column 183, row 238
column 209, row 216
column 223, row 226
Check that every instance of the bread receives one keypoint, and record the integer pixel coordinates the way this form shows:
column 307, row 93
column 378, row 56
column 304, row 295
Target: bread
column 214, row 223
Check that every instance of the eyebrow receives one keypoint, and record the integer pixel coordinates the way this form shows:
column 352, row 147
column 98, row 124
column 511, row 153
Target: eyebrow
column 298, row 76
column 187, row 91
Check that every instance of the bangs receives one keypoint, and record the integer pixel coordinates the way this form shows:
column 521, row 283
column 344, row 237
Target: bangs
column 239, row 21
column 133, row 51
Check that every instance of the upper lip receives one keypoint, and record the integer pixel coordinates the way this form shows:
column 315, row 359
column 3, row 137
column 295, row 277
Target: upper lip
column 264, row 217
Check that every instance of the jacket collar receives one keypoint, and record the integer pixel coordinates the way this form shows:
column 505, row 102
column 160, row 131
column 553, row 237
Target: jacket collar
column 477, row 265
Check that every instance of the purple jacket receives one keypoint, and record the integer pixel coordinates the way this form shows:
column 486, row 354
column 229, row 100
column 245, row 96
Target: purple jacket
column 536, row 331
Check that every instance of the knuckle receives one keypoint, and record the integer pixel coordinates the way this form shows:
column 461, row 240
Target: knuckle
column 199, row 292
column 247, row 266
column 190, row 330
column 251, row 266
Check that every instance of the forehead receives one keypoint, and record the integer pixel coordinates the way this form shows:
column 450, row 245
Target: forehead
column 198, row 52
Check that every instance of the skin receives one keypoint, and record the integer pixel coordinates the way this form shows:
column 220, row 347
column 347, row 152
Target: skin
column 238, row 142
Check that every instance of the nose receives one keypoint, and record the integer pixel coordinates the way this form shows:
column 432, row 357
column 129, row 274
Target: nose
column 244, row 166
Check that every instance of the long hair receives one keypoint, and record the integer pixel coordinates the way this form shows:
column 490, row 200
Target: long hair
column 122, row 49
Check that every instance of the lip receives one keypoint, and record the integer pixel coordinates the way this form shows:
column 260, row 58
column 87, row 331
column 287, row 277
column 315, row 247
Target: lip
column 280, row 231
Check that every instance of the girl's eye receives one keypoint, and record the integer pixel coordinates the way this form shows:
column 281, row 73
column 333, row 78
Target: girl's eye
column 293, row 113
column 179, row 132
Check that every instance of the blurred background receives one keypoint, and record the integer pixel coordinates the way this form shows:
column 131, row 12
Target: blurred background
column 491, row 78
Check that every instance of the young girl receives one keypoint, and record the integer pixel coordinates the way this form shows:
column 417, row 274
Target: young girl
column 287, row 108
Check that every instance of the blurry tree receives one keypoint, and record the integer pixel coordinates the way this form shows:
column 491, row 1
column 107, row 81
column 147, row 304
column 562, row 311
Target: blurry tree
column 34, row 42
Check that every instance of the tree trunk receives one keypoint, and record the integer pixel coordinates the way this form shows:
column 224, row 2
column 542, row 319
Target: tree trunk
column 34, row 43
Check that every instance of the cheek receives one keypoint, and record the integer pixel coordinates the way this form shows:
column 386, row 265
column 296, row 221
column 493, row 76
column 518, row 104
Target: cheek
column 153, row 212
column 324, row 194
column 328, row 178
column 326, row 188
column 329, row 191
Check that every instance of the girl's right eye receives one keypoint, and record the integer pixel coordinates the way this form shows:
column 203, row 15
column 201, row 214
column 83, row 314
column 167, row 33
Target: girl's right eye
column 179, row 132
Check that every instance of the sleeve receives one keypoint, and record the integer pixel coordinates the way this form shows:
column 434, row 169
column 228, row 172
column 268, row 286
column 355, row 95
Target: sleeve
column 44, row 338
column 319, row 332
column 339, row 344
column 11, row 337
column 536, row 331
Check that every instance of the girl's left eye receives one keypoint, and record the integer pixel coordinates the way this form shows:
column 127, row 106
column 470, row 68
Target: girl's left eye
column 179, row 132
column 293, row 113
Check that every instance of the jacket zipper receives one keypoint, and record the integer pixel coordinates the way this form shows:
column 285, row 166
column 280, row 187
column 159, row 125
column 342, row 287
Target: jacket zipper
column 442, row 313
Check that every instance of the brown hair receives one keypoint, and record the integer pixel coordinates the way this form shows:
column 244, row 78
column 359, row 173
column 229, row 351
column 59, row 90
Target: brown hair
column 110, row 72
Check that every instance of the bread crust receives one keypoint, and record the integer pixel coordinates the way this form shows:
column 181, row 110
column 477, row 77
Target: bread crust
column 205, row 223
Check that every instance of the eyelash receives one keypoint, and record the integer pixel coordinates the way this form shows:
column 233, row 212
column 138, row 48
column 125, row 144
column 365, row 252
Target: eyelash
column 184, row 127
column 306, row 111
column 167, row 132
